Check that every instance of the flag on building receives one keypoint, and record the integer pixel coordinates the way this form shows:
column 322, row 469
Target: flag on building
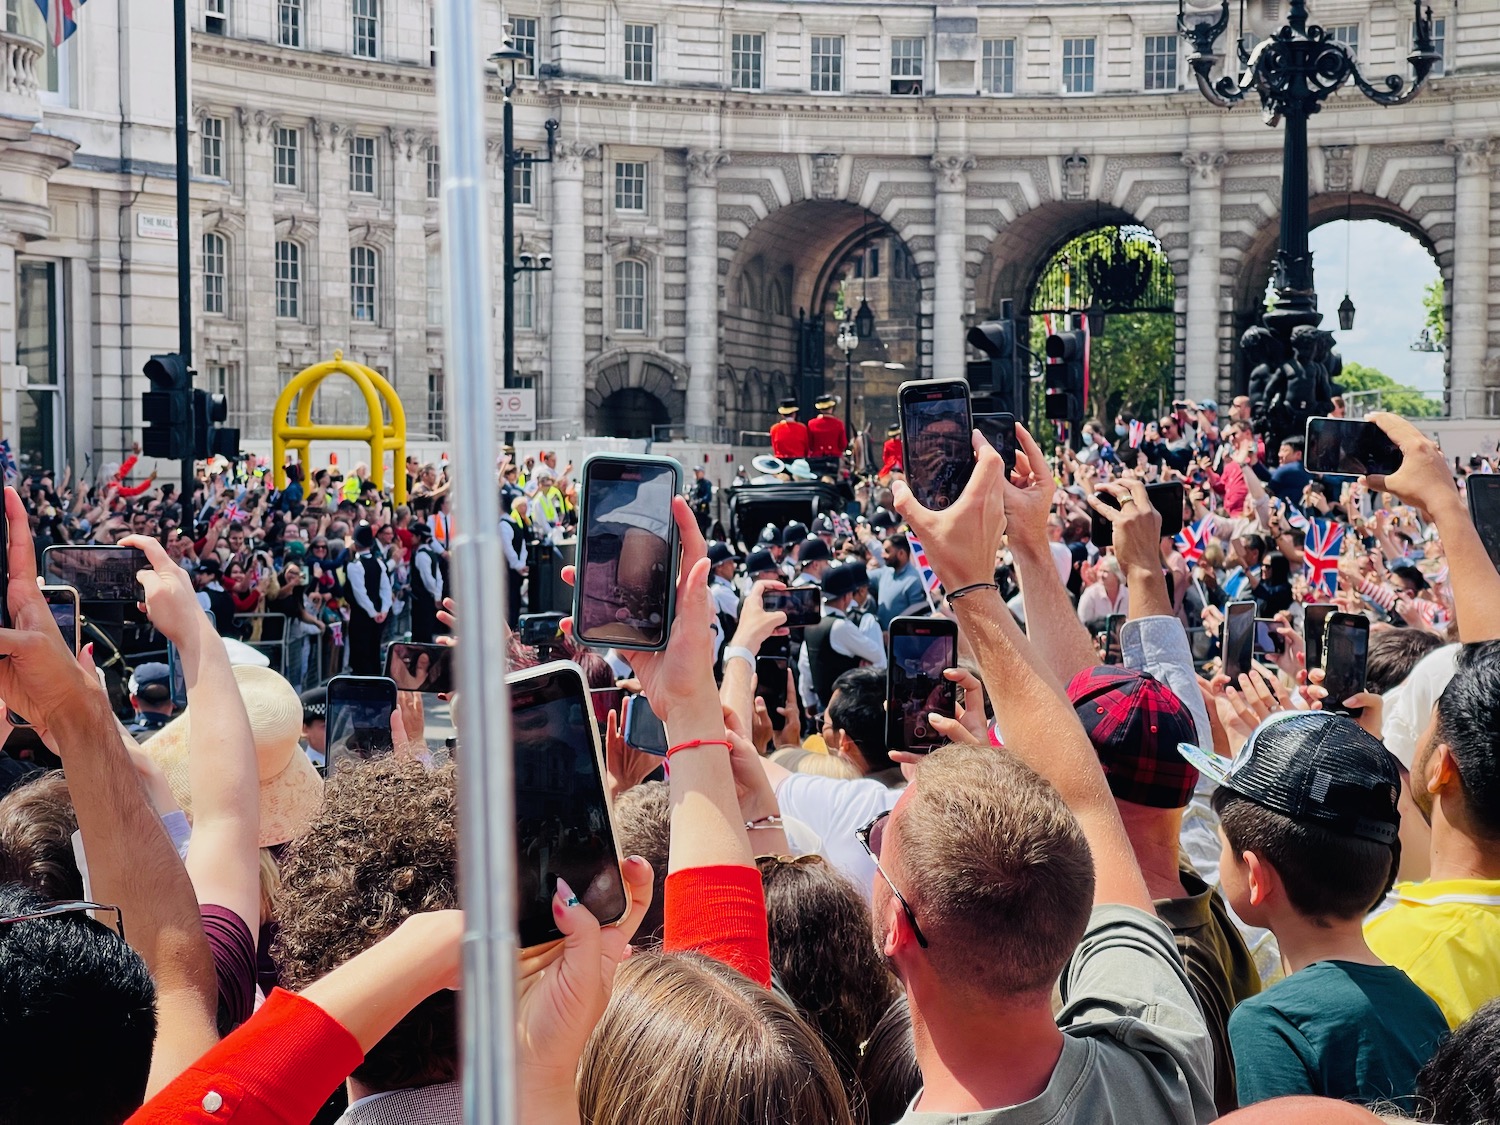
column 1320, row 554
column 61, row 17
column 930, row 580
column 1191, row 540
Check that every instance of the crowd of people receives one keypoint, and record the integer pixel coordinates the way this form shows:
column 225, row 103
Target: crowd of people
column 1128, row 887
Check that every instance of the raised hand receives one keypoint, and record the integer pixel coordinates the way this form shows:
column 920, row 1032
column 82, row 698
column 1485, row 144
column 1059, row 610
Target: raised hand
column 961, row 540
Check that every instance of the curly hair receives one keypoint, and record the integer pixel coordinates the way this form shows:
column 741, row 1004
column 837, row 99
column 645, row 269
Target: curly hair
column 37, row 823
column 384, row 847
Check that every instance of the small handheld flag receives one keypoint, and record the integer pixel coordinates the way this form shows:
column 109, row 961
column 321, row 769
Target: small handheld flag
column 930, row 581
column 1191, row 540
column 1320, row 554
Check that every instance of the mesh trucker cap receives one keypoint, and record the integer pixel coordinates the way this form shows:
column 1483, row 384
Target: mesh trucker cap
column 1315, row 767
column 1136, row 723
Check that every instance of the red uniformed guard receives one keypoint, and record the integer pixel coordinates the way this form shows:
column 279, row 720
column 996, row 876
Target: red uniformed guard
column 827, row 438
column 788, row 436
column 890, row 459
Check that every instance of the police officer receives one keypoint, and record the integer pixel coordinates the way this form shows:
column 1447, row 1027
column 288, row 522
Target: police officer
column 813, row 560
column 792, row 537
column 151, row 696
column 723, row 562
column 827, row 438
column 846, row 638
column 429, row 565
column 701, row 498
column 789, row 438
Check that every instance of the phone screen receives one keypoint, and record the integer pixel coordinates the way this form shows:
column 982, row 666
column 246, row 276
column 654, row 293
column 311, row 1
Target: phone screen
column 540, row 628
column 625, row 588
column 770, row 685
column 803, row 605
column 562, row 816
column 937, row 445
column 64, row 606
column 1268, row 638
column 1000, row 431
column 644, row 730
column 921, row 649
column 420, row 667
column 1166, row 498
column 1484, row 508
column 359, row 718
column 1113, row 653
column 1238, row 639
column 1346, row 447
column 99, row 574
column 1346, row 652
column 1314, row 622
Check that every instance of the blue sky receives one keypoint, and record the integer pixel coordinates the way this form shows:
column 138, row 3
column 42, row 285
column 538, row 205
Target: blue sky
column 1389, row 270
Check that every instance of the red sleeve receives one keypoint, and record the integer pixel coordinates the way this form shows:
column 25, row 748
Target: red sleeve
column 135, row 489
column 721, row 913
column 278, row 1069
column 124, row 470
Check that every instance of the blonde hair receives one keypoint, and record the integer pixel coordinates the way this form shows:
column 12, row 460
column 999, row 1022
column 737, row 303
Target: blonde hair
column 827, row 765
column 687, row 1040
column 270, row 886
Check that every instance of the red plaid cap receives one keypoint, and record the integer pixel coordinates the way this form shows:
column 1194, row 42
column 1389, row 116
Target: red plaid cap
column 1135, row 723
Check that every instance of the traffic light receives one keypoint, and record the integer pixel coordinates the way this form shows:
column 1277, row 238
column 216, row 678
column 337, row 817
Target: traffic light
column 998, row 372
column 1064, row 376
column 168, row 409
column 209, row 438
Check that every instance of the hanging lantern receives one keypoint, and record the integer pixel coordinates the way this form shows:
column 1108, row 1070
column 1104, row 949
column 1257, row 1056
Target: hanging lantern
column 1346, row 314
column 1094, row 314
column 864, row 320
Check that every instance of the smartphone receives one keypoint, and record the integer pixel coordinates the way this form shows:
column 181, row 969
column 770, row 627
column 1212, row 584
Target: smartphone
column 540, row 628
column 1237, row 642
column 174, row 667
column 1484, row 509
column 63, row 602
column 937, row 428
column 1000, row 431
column 99, row 574
column 627, row 553
column 1346, row 654
column 803, row 605
column 421, row 667
column 643, row 729
column 563, row 825
column 1113, row 653
column 1165, row 496
column 359, row 718
column 919, row 651
column 1268, row 638
column 771, row 663
column 1346, row 447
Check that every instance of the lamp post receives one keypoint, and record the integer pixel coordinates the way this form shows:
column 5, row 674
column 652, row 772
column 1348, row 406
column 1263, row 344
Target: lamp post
column 1293, row 71
column 848, row 340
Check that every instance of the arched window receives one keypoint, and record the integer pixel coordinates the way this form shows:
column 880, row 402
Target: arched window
column 630, row 296
column 214, row 259
column 288, row 280
column 364, row 284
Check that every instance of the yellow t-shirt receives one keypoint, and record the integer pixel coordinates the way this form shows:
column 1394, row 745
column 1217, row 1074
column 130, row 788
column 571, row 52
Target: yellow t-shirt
column 1445, row 935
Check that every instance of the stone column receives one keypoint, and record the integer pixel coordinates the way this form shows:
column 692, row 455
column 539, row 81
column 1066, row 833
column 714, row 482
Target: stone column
column 949, row 183
column 1201, row 350
column 330, row 142
column 565, row 369
column 702, row 344
column 1468, row 339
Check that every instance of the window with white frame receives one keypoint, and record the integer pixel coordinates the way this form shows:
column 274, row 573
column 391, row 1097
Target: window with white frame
column 521, row 180
column 211, row 147
column 747, row 53
column 431, row 36
column 640, row 52
column 286, row 156
column 826, row 64
column 288, row 280
column 1440, row 45
column 54, row 65
column 1078, row 65
column 366, row 38
column 908, row 58
column 1161, row 62
column 434, row 173
column 362, row 165
column 1348, row 35
column 525, row 294
column 630, row 296
column 289, row 23
column 630, row 185
column 215, row 257
column 998, row 66
column 434, row 283
column 219, row 381
column 437, row 407
column 364, row 284
column 216, row 17
column 523, row 39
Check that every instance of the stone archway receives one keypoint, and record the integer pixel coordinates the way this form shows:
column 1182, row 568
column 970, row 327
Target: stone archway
column 623, row 385
column 1022, row 249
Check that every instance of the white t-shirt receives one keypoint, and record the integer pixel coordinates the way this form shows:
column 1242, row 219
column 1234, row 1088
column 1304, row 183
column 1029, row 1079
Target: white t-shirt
column 837, row 808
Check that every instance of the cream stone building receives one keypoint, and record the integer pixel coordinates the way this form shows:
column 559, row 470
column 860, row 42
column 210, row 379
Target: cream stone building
column 720, row 170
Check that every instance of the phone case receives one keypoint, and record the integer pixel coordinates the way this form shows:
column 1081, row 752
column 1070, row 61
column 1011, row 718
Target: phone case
column 674, row 548
column 924, row 385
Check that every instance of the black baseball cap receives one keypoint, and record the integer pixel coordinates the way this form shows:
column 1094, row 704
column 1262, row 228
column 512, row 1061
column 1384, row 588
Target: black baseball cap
column 1316, row 767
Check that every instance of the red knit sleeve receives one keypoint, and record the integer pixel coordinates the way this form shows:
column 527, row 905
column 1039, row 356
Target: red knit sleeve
column 720, row 912
column 124, row 470
column 278, row 1069
column 136, row 489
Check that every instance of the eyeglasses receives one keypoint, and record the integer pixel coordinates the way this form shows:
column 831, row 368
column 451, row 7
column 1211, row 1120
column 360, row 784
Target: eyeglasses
column 870, row 837
column 58, row 909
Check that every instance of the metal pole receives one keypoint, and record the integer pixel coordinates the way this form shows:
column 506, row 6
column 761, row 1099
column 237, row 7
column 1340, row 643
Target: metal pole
column 848, row 396
column 184, row 224
column 487, row 860
column 508, row 255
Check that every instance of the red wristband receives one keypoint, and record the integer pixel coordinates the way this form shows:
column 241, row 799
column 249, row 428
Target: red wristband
column 697, row 742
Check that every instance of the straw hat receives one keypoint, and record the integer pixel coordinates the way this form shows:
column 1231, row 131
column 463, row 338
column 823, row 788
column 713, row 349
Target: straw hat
column 290, row 789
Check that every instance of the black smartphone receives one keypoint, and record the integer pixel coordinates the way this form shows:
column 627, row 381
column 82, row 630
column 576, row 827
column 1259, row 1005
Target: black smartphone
column 937, row 429
column 1113, row 652
column 627, row 554
column 803, row 605
column 359, row 718
column 539, row 629
column 1268, row 638
column 999, row 430
column 1314, row 625
column 1237, row 641
column 1484, row 510
column 563, row 825
column 421, row 667
column 99, row 574
column 1165, row 496
column 178, row 681
column 643, row 728
column 771, row 663
column 1345, row 447
column 63, row 602
column 919, row 651
column 1346, row 654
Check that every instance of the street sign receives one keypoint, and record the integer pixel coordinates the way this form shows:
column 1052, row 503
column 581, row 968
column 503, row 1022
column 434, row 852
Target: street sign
column 149, row 224
column 515, row 409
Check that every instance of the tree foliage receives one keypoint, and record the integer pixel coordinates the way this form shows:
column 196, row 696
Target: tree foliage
column 1432, row 308
column 1399, row 398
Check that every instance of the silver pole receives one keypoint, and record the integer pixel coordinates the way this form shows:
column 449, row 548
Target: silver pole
column 487, row 860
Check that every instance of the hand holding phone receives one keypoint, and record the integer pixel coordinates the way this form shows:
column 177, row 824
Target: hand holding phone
column 425, row 668
column 1237, row 641
column 1346, row 654
column 359, row 718
column 642, row 728
column 936, row 438
column 803, row 605
column 1343, row 446
column 999, row 429
column 920, row 650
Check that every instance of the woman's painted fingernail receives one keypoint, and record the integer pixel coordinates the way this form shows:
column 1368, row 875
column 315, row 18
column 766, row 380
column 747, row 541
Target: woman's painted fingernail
column 568, row 897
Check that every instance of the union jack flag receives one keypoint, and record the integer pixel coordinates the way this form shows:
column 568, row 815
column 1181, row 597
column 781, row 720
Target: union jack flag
column 929, row 577
column 8, row 464
column 1137, row 432
column 61, row 17
column 1320, row 554
column 1192, row 539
